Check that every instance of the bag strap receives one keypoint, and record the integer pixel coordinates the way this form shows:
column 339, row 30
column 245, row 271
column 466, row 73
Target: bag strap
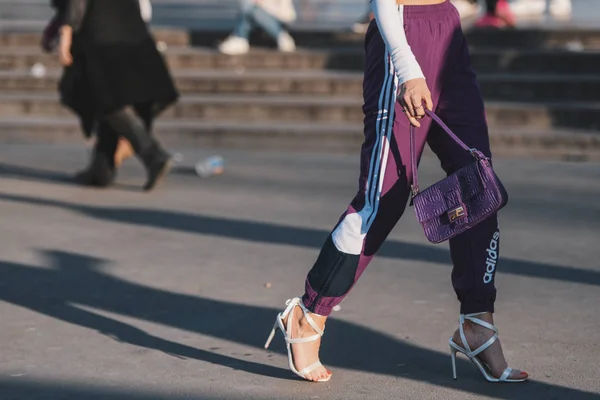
column 413, row 151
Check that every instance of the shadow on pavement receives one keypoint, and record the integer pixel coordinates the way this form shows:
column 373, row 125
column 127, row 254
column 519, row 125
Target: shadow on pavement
column 71, row 279
column 33, row 174
column 19, row 389
column 265, row 232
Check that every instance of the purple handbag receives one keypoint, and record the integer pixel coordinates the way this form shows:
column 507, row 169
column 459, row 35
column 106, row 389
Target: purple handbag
column 460, row 201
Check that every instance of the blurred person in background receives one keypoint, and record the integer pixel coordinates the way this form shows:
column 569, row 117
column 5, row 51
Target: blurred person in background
column 416, row 58
column 117, row 82
column 501, row 13
column 50, row 38
column 271, row 16
column 559, row 9
column 498, row 14
column 51, row 33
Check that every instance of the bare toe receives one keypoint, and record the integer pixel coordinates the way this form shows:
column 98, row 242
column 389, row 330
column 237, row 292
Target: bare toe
column 516, row 374
column 315, row 376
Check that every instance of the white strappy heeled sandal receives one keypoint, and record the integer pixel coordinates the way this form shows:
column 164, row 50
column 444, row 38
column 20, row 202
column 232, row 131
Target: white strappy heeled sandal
column 472, row 354
column 287, row 333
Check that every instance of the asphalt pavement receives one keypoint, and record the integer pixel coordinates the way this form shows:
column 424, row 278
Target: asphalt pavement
column 119, row 294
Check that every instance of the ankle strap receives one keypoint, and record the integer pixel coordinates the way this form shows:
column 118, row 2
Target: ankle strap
column 471, row 318
column 297, row 302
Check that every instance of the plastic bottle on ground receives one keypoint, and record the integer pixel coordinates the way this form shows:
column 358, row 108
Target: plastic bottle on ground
column 214, row 165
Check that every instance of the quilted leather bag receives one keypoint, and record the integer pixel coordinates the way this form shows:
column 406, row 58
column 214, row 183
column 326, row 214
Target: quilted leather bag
column 460, row 201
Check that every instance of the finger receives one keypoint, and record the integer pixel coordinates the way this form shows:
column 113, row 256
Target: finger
column 408, row 105
column 419, row 111
column 68, row 59
column 413, row 121
column 428, row 101
column 417, row 102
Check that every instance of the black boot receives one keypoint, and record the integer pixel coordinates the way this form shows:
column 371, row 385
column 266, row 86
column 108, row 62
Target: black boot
column 157, row 163
column 156, row 160
column 100, row 173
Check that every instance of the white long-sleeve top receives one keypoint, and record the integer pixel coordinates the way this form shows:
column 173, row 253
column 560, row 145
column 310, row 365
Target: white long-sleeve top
column 391, row 27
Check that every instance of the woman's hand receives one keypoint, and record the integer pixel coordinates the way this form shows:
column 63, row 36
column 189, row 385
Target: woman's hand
column 412, row 95
column 64, row 50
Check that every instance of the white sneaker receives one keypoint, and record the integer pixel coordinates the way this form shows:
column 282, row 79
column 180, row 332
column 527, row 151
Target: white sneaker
column 286, row 43
column 234, row 45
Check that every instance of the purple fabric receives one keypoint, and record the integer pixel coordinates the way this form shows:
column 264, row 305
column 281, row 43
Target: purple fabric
column 435, row 36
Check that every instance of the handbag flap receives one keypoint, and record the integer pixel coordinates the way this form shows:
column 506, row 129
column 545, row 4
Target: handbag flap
column 449, row 193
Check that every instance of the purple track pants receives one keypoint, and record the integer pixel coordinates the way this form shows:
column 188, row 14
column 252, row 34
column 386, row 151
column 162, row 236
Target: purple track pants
column 435, row 36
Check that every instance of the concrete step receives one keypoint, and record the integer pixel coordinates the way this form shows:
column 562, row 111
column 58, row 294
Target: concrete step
column 336, row 36
column 252, row 108
column 541, row 61
column 179, row 57
column 288, row 136
column 522, row 38
column 249, row 108
column 537, row 88
column 221, row 81
column 505, row 87
column 172, row 37
column 484, row 60
column 535, row 37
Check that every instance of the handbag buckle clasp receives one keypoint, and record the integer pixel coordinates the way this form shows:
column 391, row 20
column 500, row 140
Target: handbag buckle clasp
column 414, row 190
column 475, row 153
column 457, row 213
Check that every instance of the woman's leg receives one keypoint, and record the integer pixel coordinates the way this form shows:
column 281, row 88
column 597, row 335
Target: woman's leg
column 271, row 25
column 253, row 15
column 244, row 26
column 490, row 6
column 475, row 253
column 101, row 171
column 107, row 142
column 384, row 175
column 238, row 42
column 128, row 124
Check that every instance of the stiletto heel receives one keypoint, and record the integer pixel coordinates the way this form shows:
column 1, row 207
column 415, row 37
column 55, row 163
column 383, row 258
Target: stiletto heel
column 453, row 356
column 286, row 330
column 271, row 336
column 472, row 355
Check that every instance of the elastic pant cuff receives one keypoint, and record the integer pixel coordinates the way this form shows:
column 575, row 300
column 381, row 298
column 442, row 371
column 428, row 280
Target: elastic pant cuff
column 318, row 305
column 322, row 310
column 473, row 307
